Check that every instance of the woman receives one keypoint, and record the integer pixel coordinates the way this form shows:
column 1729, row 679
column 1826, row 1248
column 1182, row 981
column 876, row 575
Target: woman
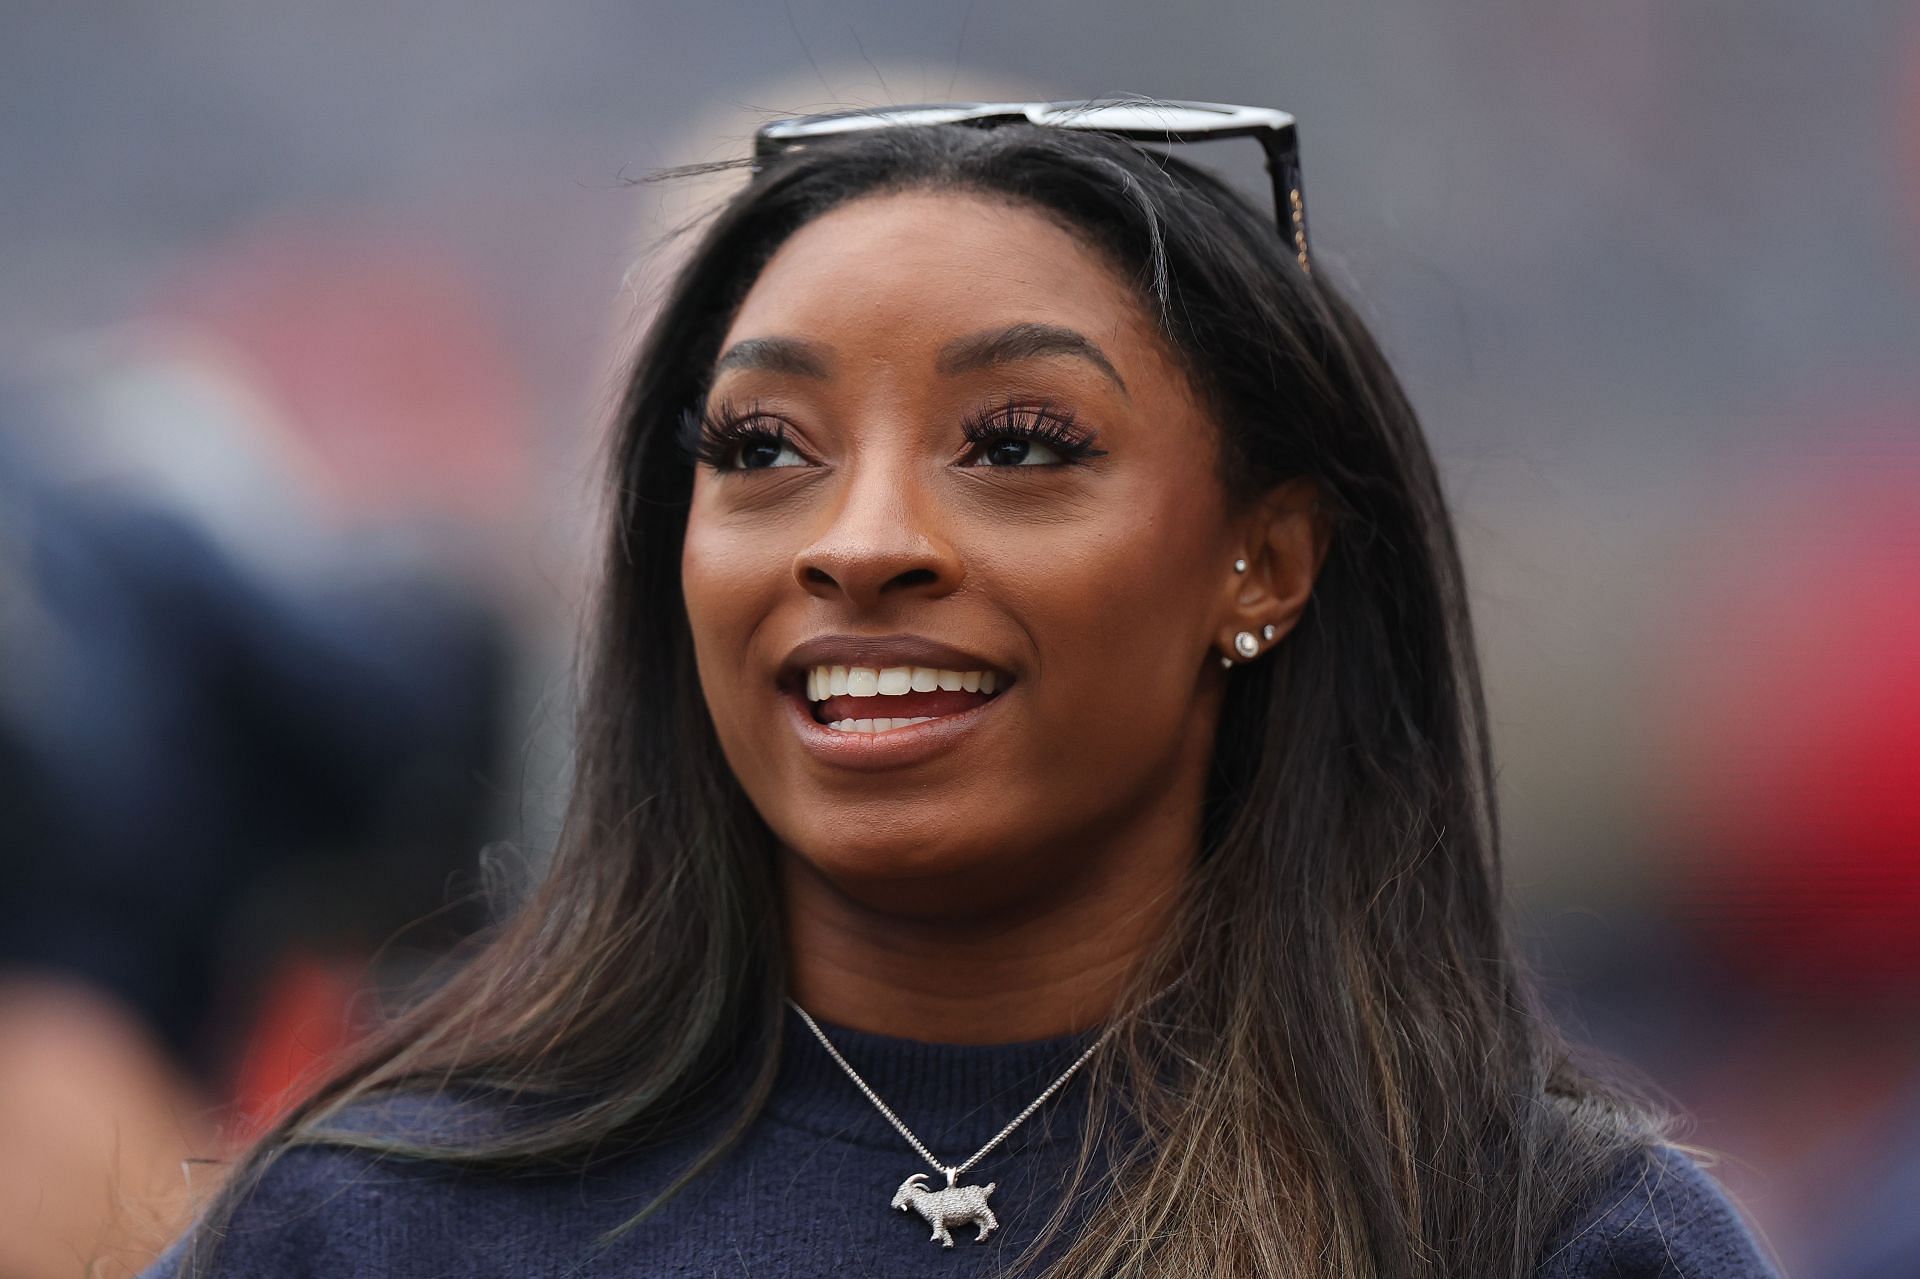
column 1033, row 644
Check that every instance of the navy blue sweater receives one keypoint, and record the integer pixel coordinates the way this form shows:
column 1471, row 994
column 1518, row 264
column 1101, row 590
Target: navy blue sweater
column 807, row 1191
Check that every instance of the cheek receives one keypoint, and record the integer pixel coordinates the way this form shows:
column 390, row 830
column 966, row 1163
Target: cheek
column 730, row 584
column 730, row 566
column 1118, row 618
column 726, row 588
column 705, row 562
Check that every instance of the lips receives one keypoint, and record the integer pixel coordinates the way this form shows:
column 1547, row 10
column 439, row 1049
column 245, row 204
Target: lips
column 896, row 747
column 943, row 714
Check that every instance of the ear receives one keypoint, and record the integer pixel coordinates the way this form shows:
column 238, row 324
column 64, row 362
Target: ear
column 1284, row 542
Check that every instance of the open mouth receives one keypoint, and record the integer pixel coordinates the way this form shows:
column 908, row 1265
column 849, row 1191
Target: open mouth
column 861, row 699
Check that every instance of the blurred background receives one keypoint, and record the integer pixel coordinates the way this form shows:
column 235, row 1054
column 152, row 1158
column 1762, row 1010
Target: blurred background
column 311, row 318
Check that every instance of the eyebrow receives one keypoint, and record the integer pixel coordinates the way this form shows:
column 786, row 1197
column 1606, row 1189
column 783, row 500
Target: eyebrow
column 1024, row 341
column 776, row 355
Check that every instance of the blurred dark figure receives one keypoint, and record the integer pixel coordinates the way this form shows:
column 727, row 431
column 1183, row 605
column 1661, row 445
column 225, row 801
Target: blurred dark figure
column 1774, row 982
column 213, row 783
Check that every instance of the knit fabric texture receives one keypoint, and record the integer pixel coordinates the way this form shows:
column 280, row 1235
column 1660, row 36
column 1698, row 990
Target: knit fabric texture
column 807, row 1192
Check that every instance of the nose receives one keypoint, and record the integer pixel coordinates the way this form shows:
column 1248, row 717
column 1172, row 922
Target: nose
column 884, row 539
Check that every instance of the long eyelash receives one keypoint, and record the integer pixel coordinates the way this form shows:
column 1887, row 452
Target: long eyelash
column 1057, row 428
column 709, row 438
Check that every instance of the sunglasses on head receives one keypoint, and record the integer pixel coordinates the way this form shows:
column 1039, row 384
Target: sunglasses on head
column 1137, row 121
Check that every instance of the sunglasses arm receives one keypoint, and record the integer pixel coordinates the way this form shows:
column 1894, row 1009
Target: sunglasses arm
column 1283, row 166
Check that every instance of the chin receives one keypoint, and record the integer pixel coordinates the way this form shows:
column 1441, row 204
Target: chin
column 916, row 879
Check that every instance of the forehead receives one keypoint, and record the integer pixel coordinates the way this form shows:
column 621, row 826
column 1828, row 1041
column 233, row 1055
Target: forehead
column 895, row 275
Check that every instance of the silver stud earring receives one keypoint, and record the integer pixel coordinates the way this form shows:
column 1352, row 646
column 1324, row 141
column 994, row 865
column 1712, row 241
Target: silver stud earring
column 1267, row 632
column 1243, row 643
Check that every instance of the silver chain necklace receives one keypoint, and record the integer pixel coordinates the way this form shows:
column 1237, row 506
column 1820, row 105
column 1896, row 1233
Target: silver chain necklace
column 956, row 1205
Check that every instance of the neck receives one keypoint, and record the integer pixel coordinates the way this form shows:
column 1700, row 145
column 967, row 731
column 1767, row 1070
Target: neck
column 1049, row 964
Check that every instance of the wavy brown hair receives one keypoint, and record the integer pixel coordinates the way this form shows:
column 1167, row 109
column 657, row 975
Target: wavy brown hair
column 1349, row 1072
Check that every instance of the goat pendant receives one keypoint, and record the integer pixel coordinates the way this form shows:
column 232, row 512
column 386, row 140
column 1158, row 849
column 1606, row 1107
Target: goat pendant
column 944, row 1209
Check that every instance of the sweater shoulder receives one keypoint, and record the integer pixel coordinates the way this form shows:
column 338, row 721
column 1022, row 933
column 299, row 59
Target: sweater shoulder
column 1660, row 1215
column 306, row 1215
column 321, row 1208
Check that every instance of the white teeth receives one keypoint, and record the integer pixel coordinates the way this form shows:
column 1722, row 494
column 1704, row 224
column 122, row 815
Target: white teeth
column 892, row 681
column 875, row 725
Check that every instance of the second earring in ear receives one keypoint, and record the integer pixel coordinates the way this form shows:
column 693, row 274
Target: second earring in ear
column 1247, row 644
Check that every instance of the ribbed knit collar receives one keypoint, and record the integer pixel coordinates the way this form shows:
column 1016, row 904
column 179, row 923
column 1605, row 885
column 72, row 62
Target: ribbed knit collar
column 955, row 1097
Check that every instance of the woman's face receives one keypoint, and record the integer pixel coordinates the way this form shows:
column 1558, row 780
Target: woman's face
column 1086, row 577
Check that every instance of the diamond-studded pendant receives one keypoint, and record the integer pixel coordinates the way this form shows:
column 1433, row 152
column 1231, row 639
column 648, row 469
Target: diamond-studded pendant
column 944, row 1209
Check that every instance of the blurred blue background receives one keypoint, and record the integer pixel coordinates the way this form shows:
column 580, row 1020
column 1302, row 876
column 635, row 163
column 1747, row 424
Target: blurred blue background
column 311, row 317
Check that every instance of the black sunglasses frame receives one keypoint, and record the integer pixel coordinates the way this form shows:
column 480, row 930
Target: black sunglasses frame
column 1273, row 129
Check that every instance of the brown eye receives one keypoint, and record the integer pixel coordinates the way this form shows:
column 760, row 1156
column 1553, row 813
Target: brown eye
column 728, row 440
column 1012, row 450
column 762, row 450
column 1014, row 436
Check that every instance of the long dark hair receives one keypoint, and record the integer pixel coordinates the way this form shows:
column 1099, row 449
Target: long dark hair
column 1349, row 1071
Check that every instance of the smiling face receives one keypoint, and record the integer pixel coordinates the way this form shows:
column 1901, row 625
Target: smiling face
column 943, row 424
